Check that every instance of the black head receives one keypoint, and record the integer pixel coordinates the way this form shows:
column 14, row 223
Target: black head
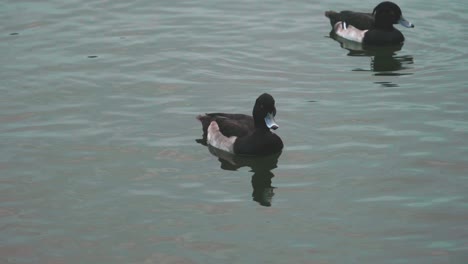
column 388, row 13
column 264, row 112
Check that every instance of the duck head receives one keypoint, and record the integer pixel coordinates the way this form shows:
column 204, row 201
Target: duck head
column 388, row 13
column 264, row 112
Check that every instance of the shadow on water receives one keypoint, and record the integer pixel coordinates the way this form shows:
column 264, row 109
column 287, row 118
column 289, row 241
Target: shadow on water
column 261, row 168
column 384, row 61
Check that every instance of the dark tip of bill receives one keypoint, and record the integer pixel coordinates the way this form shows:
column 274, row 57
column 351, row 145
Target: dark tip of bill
column 92, row 56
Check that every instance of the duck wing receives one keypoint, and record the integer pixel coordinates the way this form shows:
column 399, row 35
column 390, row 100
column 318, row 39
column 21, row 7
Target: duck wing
column 237, row 125
column 358, row 20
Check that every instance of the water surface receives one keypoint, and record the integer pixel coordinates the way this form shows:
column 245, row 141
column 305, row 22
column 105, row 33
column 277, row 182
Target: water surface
column 99, row 161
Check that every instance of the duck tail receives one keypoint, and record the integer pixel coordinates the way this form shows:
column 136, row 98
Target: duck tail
column 330, row 13
column 333, row 16
column 200, row 117
column 205, row 120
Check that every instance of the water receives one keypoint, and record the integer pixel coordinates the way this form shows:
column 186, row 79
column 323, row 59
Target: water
column 99, row 161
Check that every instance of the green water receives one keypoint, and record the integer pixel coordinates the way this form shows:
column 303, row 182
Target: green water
column 98, row 155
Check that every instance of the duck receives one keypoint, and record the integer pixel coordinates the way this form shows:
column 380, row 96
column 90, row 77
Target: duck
column 374, row 29
column 242, row 134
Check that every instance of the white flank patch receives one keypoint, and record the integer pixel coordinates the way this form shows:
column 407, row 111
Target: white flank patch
column 216, row 139
column 349, row 32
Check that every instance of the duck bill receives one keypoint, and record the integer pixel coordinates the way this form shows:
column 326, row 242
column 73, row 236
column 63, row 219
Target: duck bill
column 270, row 121
column 405, row 23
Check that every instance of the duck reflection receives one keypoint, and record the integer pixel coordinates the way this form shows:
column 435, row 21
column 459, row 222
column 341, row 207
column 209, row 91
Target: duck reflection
column 384, row 60
column 261, row 168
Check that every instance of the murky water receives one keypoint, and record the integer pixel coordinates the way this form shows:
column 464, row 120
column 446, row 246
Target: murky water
column 99, row 161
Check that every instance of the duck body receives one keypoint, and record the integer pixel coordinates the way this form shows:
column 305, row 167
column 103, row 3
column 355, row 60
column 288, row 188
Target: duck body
column 375, row 29
column 359, row 20
column 243, row 134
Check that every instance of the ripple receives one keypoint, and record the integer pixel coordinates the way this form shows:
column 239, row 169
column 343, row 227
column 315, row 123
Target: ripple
column 416, row 154
column 188, row 185
column 153, row 192
column 435, row 201
column 454, row 125
column 433, row 139
column 385, row 199
column 357, row 144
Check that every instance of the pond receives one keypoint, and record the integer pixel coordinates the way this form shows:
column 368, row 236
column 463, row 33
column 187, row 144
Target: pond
column 99, row 159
